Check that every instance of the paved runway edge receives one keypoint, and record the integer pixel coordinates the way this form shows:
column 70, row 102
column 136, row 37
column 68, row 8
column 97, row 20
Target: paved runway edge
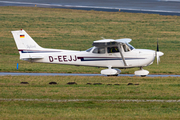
column 73, row 74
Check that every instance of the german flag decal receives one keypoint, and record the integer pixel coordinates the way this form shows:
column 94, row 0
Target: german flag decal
column 22, row 36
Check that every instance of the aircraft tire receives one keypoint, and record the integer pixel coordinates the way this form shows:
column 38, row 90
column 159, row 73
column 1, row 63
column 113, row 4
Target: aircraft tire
column 112, row 75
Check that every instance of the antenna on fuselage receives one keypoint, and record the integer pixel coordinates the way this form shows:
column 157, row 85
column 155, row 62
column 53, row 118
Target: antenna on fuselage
column 103, row 38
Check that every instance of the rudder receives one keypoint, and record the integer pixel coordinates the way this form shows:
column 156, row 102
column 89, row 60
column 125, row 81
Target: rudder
column 24, row 43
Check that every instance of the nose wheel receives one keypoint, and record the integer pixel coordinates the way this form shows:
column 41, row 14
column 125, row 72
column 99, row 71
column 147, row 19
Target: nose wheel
column 141, row 72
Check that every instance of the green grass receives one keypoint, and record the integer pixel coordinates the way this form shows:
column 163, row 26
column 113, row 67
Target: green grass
column 38, row 88
column 77, row 29
column 89, row 110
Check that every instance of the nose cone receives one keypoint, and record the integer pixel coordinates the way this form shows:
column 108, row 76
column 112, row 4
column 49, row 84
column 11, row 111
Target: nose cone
column 160, row 53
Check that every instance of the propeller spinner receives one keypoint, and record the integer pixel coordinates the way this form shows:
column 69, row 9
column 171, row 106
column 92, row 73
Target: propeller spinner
column 158, row 53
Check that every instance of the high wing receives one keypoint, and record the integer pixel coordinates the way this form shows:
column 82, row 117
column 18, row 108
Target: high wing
column 111, row 43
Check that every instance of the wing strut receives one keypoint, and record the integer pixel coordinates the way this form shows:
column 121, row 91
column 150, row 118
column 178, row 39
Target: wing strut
column 119, row 47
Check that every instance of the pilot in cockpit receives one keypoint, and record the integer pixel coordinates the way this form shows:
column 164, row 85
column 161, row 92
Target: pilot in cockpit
column 113, row 49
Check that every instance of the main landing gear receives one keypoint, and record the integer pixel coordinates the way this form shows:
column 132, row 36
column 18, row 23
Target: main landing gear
column 111, row 72
column 141, row 72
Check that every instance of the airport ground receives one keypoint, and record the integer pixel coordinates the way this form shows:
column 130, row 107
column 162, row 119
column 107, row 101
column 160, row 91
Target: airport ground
column 77, row 29
column 154, row 98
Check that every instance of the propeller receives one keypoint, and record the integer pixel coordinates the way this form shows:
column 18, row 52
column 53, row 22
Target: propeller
column 158, row 53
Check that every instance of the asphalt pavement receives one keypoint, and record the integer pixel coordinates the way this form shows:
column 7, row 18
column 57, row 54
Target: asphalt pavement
column 74, row 74
column 163, row 7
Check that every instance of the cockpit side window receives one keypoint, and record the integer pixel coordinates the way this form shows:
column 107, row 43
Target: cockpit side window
column 126, row 48
column 99, row 50
column 130, row 46
column 112, row 49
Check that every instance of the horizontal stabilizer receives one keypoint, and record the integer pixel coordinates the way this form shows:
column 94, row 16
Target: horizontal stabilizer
column 29, row 58
column 36, row 57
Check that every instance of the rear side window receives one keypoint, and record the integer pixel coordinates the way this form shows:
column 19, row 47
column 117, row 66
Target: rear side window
column 88, row 50
column 99, row 50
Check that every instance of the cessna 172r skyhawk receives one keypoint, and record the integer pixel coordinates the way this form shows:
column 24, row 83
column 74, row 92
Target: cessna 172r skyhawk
column 108, row 53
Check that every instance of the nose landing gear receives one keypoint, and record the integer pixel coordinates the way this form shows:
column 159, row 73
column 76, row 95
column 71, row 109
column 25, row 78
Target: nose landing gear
column 141, row 72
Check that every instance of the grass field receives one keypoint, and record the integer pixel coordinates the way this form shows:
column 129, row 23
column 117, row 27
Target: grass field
column 76, row 30
column 39, row 89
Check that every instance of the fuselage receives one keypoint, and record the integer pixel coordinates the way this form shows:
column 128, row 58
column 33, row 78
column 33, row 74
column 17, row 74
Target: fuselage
column 133, row 58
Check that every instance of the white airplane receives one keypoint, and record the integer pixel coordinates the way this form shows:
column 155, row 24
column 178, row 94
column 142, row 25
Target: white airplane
column 108, row 53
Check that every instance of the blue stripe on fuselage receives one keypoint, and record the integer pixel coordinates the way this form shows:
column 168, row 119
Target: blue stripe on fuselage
column 105, row 59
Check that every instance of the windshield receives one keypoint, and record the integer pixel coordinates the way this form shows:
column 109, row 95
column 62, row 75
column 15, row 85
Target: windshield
column 130, row 46
column 127, row 47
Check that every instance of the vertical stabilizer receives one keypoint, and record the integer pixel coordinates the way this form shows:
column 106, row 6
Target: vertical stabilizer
column 24, row 43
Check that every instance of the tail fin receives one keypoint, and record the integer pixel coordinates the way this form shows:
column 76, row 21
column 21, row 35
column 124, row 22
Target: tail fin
column 24, row 43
